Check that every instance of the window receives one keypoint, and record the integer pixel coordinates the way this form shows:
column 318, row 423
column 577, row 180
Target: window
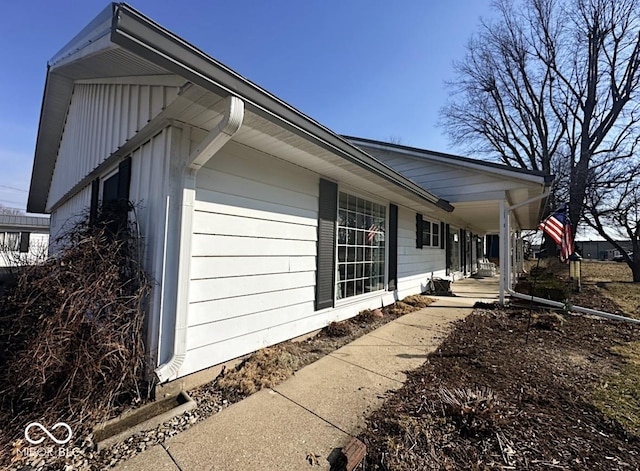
column 361, row 246
column 429, row 233
column 435, row 234
column 426, row 233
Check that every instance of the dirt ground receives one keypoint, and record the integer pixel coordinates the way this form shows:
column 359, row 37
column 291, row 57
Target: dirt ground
column 507, row 390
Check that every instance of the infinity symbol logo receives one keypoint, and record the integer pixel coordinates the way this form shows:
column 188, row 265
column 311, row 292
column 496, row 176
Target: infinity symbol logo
column 49, row 434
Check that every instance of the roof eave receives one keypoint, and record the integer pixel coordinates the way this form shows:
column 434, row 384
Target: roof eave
column 121, row 25
column 524, row 174
column 144, row 37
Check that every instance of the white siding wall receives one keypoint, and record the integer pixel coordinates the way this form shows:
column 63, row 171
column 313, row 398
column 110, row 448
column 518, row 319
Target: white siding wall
column 415, row 266
column 148, row 192
column 253, row 265
column 101, row 118
column 70, row 213
column 253, row 258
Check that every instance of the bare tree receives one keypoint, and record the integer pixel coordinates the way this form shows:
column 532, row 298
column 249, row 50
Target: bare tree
column 613, row 209
column 9, row 211
column 552, row 85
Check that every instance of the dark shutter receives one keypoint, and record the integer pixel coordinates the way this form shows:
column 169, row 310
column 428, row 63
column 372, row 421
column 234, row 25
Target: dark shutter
column 326, row 259
column 24, row 241
column 442, row 241
column 95, row 195
column 418, row 231
column 447, row 253
column 393, row 248
column 124, row 179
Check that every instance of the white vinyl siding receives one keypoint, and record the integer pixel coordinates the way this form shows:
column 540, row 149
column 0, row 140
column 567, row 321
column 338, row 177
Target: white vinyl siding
column 101, row 118
column 253, row 256
column 65, row 217
column 415, row 266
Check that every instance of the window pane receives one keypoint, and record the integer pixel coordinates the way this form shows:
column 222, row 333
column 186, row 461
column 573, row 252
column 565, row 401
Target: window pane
column 361, row 241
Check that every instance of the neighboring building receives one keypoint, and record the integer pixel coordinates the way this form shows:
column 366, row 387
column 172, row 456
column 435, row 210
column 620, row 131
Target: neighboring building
column 23, row 239
column 259, row 224
column 600, row 249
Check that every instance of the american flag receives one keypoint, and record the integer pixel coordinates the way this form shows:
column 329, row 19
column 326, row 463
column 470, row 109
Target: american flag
column 558, row 227
column 371, row 234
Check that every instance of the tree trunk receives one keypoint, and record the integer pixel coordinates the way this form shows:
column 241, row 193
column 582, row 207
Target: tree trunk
column 635, row 269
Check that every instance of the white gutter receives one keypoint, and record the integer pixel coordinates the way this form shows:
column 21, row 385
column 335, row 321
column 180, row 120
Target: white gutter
column 218, row 137
column 583, row 310
column 505, row 270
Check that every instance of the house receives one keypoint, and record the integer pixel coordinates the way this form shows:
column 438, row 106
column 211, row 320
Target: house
column 601, row 249
column 259, row 224
column 23, row 239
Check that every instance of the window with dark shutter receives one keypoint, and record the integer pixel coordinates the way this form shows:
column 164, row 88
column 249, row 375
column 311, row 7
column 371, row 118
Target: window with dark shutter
column 393, row 247
column 326, row 258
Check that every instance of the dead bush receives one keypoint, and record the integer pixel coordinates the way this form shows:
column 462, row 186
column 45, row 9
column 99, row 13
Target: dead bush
column 337, row 329
column 71, row 346
column 263, row 369
column 471, row 409
column 417, row 300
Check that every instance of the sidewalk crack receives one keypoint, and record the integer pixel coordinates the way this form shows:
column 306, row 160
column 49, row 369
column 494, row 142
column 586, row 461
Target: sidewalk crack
column 171, row 456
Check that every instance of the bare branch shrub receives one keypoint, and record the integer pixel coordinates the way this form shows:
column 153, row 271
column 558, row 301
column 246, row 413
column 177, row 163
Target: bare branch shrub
column 71, row 346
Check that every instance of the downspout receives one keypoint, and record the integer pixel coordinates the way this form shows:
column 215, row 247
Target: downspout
column 505, row 280
column 218, row 137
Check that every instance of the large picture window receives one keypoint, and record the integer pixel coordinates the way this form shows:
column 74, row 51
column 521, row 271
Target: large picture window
column 361, row 246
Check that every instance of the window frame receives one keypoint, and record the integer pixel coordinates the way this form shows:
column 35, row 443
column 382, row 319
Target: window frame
column 430, row 234
column 380, row 259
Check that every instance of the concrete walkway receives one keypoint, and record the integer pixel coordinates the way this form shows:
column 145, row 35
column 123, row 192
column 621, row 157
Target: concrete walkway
column 319, row 409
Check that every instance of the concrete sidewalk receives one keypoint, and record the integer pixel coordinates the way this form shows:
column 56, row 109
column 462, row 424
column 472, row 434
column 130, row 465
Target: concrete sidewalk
column 318, row 410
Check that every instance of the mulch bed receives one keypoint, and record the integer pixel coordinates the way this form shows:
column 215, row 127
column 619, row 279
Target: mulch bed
column 507, row 392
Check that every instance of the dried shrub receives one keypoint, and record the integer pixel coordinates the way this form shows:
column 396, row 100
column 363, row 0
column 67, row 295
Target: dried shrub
column 418, row 301
column 470, row 409
column 337, row 329
column 263, row 369
column 71, row 346
column 400, row 308
column 365, row 316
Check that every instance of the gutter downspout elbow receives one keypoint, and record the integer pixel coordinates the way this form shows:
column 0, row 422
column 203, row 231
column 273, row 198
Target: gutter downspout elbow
column 229, row 125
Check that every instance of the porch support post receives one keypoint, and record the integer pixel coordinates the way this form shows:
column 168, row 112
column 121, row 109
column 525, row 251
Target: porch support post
column 504, row 250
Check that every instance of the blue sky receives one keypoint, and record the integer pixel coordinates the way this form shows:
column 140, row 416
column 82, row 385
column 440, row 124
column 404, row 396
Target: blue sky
column 367, row 68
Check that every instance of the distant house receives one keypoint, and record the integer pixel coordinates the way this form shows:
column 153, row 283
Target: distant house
column 23, row 239
column 259, row 224
column 600, row 249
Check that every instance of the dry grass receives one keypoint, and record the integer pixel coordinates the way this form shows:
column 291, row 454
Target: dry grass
column 626, row 295
column 596, row 272
column 618, row 397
